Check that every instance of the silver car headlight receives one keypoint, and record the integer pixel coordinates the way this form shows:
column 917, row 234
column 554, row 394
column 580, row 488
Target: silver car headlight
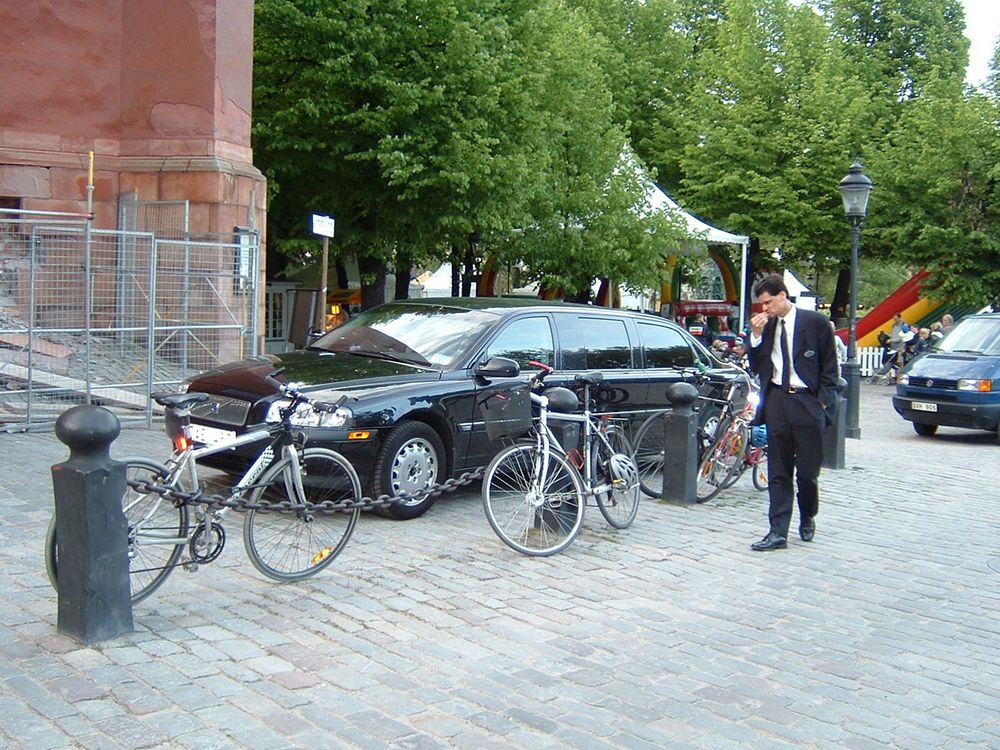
column 306, row 416
column 903, row 380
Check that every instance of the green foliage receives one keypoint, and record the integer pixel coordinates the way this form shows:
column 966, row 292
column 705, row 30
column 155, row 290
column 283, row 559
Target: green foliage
column 420, row 122
column 942, row 176
column 423, row 123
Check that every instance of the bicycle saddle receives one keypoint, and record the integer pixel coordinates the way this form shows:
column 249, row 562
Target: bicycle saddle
column 561, row 399
column 590, row 378
column 179, row 400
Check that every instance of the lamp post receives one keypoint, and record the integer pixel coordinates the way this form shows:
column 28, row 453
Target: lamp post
column 854, row 189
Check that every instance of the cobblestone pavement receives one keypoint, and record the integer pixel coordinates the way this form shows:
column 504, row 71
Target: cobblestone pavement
column 430, row 634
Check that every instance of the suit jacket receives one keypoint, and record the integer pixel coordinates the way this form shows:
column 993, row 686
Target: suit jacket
column 814, row 358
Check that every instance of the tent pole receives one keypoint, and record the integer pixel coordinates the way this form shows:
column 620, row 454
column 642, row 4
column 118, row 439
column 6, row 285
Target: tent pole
column 743, row 283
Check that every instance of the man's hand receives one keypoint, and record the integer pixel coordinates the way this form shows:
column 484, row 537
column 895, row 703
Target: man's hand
column 757, row 323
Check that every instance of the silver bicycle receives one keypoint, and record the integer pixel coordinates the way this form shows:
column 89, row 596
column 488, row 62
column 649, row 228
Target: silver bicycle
column 535, row 492
column 165, row 517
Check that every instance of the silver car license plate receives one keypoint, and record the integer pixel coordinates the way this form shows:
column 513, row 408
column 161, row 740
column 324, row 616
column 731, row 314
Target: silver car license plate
column 923, row 406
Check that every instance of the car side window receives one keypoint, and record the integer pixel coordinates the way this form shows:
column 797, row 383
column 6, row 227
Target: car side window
column 608, row 345
column 523, row 340
column 665, row 347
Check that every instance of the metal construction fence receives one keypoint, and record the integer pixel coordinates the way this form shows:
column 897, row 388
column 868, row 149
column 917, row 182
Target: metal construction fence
column 109, row 317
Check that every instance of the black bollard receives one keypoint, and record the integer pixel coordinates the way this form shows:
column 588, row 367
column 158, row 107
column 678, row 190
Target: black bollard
column 835, row 433
column 680, row 445
column 95, row 601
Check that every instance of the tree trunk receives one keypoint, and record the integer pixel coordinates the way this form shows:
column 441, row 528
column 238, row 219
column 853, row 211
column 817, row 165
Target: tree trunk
column 372, row 282
column 455, row 271
column 841, row 298
column 403, row 266
column 468, row 266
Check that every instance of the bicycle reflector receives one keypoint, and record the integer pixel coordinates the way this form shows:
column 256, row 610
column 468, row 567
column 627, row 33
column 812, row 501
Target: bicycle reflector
column 758, row 436
column 321, row 555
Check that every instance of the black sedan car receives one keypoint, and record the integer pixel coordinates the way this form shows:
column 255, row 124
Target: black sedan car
column 412, row 415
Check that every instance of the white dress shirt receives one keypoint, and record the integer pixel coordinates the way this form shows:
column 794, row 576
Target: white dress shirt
column 776, row 359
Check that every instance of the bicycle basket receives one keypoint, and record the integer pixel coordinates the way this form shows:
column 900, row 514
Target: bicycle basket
column 507, row 414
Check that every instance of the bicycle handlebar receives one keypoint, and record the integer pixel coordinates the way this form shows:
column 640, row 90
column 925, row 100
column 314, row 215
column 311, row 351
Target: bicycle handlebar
column 537, row 379
column 294, row 392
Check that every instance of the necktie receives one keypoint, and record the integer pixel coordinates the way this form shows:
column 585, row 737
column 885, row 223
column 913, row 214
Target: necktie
column 786, row 359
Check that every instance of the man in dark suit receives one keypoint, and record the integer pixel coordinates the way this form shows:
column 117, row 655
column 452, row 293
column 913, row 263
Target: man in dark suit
column 793, row 353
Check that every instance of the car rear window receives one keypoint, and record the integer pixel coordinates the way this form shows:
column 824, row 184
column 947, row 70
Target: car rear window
column 607, row 342
column 664, row 346
column 592, row 342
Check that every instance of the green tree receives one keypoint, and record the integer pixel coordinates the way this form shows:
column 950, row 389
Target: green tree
column 939, row 190
column 777, row 123
column 424, row 123
column 589, row 217
column 412, row 121
column 896, row 44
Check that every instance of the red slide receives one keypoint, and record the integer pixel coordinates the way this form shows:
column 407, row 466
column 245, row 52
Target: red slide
column 899, row 300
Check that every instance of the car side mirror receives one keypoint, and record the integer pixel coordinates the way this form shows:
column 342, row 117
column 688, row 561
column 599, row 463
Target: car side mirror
column 498, row 367
column 313, row 335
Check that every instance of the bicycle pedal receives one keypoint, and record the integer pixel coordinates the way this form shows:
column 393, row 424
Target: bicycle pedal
column 191, row 566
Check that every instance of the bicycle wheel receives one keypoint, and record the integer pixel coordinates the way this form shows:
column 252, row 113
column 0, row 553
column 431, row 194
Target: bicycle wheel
column 736, row 458
column 533, row 517
column 649, row 450
column 759, row 469
column 714, row 468
column 713, row 422
column 292, row 545
column 616, row 467
column 157, row 532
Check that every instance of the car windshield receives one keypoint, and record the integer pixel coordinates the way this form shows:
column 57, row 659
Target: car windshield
column 423, row 335
column 973, row 336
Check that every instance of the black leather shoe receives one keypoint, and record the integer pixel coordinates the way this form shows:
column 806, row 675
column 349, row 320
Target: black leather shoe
column 770, row 542
column 807, row 530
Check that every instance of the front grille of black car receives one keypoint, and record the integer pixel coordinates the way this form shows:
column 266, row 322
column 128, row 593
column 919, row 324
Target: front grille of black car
column 946, row 385
column 222, row 409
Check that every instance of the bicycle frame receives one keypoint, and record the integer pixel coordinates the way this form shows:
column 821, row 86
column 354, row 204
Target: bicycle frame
column 182, row 472
column 545, row 438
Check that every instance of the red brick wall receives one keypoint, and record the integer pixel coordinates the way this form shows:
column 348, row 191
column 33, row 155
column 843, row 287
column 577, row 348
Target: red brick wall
column 160, row 91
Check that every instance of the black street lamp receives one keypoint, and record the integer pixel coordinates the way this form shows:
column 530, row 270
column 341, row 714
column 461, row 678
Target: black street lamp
column 854, row 189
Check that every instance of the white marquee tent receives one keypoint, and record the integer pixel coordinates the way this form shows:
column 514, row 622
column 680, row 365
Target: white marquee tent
column 659, row 200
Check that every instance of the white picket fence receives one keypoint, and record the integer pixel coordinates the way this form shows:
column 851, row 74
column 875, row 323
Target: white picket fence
column 869, row 357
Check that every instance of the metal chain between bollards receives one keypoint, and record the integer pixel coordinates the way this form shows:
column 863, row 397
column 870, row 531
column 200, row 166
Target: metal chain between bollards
column 241, row 503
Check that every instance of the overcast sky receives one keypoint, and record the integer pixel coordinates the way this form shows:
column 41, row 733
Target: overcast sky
column 982, row 26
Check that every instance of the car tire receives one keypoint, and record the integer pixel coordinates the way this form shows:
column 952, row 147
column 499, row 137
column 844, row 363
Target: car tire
column 411, row 458
column 926, row 430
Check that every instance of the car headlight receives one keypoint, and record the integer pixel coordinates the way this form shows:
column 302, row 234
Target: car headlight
column 903, row 380
column 968, row 384
column 306, row 416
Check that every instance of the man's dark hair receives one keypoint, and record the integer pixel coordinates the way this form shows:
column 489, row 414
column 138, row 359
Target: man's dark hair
column 772, row 284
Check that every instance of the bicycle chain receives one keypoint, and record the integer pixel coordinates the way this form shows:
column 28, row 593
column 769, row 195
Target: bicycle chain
column 242, row 504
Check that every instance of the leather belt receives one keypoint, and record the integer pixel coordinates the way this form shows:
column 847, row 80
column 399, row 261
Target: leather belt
column 792, row 389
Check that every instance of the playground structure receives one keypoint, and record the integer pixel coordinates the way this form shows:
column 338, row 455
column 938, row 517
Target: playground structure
column 718, row 312
column 909, row 299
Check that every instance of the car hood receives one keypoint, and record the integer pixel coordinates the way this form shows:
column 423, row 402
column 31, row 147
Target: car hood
column 331, row 373
column 948, row 366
